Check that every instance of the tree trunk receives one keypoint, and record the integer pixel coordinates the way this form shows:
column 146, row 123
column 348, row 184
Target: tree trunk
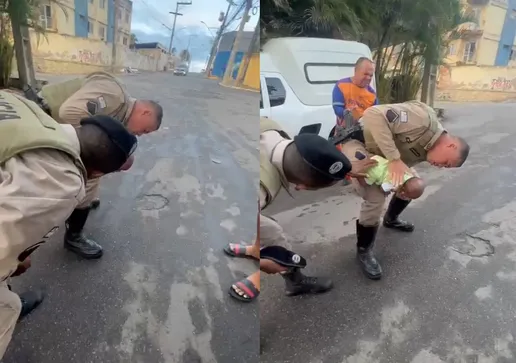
column 426, row 77
column 252, row 46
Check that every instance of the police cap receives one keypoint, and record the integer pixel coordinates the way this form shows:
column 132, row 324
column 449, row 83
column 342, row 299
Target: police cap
column 322, row 156
column 117, row 133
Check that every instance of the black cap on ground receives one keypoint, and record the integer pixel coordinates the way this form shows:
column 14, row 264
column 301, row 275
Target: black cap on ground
column 123, row 139
column 323, row 156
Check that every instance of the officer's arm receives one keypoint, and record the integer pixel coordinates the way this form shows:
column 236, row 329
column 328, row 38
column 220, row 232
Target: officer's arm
column 31, row 209
column 95, row 97
column 339, row 103
column 382, row 132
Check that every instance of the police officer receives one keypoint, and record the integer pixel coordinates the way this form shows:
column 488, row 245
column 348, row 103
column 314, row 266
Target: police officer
column 43, row 170
column 309, row 162
column 406, row 134
column 99, row 93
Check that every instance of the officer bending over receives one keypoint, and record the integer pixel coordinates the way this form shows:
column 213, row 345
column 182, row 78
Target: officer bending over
column 44, row 167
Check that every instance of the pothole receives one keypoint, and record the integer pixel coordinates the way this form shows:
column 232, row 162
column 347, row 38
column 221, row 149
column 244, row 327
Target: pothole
column 152, row 202
column 474, row 246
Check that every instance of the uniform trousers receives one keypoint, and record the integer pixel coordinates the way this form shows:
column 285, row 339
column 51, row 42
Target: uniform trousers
column 10, row 308
column 272, row 234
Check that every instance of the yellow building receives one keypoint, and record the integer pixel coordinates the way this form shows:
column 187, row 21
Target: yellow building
column 490, row 38
column 93, row 19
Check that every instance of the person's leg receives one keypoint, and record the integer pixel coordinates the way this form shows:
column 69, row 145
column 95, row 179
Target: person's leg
column 370, row 213
column 272, row 234
column 397, row 205
column 10, row 308
column 74, row 239
column 95, row 203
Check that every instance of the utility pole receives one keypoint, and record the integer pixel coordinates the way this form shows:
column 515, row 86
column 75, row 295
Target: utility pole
column 216, row 41
column 228, row 75
column 176, row 13
column 253, row 46
column 115, row 36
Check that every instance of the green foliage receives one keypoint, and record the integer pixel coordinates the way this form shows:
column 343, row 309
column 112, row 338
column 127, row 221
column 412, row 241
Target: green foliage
column 185, row 55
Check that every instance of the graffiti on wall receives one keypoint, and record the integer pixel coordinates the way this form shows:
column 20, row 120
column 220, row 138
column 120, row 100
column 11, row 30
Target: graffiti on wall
column 502, row 84
column 87, row 56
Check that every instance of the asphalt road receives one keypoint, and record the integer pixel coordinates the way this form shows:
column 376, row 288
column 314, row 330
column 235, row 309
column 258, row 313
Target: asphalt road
column 159, row 294
column 447, row 294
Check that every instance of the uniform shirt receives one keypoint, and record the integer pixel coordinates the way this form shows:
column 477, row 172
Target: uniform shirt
column 395, row 131
column 100, row 94
column 39, row 189
column 347, row 96
column 274, row 145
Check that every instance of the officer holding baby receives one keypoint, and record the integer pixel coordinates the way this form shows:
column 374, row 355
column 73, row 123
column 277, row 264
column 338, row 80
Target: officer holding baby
column 399, row 136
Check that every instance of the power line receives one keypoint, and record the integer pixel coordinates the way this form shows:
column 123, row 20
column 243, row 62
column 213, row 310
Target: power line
column 152, row 10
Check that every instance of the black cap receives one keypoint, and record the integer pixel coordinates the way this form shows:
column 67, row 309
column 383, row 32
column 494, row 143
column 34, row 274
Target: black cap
column 123, row 139
column 322, row 156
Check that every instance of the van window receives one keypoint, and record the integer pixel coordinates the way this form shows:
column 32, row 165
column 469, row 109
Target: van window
column 261, row 99
column 327, row 73
column 277, row 93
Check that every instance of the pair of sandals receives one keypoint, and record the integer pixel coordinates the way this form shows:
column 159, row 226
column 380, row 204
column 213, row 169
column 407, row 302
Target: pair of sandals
column 243, row 290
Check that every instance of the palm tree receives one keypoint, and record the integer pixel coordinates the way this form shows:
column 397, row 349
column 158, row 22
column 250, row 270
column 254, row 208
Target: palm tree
column 23, row 13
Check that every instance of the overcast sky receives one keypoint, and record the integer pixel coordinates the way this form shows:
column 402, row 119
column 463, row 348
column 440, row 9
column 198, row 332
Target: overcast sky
column 149, row 15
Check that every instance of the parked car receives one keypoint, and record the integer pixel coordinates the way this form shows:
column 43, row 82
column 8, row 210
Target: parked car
column 180, row 71
column 297, row 76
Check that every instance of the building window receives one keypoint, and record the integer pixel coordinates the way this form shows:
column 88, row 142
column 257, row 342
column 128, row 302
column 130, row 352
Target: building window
column 125, row 40
column 102, row 32
column 46, row 17
column 90, row 27
column 119, row 16
column 102, row 4
column 452, row 50
column 276, row 90
column 127, row 18
column 469, row 52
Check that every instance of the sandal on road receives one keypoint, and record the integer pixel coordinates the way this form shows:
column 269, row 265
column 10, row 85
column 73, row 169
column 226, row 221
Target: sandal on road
column 244, row 290
column 237, row 250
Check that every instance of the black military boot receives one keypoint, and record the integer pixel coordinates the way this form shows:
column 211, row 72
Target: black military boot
column 296, row 283
column 365, row 243
column 75, row 241
column 30, row 300
column 391, row 218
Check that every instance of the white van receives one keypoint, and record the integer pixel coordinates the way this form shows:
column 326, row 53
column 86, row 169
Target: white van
column 297, row 76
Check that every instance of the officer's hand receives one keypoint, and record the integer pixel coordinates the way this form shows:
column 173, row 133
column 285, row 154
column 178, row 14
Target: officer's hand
column 22, row 267
column 397, row 170
column 359, row 168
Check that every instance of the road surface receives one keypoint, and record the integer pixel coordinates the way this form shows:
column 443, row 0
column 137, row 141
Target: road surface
column 159, row 294
column 448, row 292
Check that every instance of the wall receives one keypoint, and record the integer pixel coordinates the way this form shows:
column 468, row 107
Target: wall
column 476, row 83
column 252, row 77
column 221, row 61
column 74, row 55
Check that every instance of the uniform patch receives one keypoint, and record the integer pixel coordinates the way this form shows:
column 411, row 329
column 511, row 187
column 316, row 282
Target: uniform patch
column 92, row 107
column 392, row 115
column 335, row 167
column 404, row 116
column 101, row 102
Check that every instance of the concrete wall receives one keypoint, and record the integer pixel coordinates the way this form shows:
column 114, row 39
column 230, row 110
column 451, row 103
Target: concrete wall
column 61, row 54
column 252, row 77
column 476, row 83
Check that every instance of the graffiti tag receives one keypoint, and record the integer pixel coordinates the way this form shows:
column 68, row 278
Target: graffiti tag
column 87, row 56
column 501, row 84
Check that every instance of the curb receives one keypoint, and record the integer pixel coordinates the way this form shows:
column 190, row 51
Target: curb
column 239, row 88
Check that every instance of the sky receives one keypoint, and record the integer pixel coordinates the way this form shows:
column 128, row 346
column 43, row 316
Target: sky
column 151, row 16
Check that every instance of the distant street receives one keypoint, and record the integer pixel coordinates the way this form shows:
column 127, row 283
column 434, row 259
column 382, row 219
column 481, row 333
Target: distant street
column 159, row 294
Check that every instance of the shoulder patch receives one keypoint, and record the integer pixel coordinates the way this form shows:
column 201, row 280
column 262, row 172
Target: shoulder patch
column 392, row 115
column 404, row 116
column 102, row 102
column 92, row 107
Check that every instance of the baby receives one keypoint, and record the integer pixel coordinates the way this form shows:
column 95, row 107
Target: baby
column 412, row 188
